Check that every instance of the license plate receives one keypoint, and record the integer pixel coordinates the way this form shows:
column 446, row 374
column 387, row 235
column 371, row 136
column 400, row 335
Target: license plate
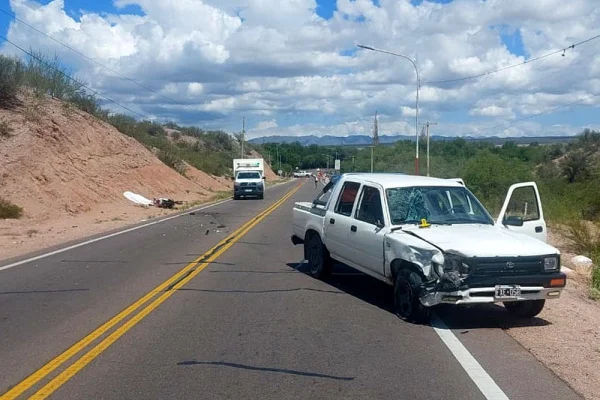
column 507, row 292
column 248, row 190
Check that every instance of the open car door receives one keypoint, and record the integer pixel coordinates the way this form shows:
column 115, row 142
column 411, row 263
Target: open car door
column 522, row 211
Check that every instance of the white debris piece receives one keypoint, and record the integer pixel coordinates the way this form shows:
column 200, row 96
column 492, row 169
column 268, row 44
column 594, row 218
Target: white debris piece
column 137, row 198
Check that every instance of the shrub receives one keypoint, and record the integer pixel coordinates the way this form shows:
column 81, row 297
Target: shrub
column 176, row 135
column 585, row 237
column 5, row 129
column 9, row 210
column 11, row 75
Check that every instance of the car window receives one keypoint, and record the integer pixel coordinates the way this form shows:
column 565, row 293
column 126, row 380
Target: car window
column 347, row 197
column 523, row 203
column 441, row 205
column 248, row 175
column 370, row 209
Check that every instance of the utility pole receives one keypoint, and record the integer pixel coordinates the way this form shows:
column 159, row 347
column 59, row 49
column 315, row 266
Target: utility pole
column 375, row 139
column 427, row 124
column 243, row 134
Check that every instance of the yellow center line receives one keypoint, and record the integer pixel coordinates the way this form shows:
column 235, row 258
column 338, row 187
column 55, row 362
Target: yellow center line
column 175, row 282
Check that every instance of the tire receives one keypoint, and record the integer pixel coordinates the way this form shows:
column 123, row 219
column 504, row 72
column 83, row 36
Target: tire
column 318, row 258
column 407, row 289
column 525, row 309
column 262, row 196
column 236, row 197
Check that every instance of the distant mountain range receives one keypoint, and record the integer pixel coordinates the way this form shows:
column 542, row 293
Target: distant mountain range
column 365, row 140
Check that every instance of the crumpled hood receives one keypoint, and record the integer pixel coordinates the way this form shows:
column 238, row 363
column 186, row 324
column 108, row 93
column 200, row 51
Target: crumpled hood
column 481, row 240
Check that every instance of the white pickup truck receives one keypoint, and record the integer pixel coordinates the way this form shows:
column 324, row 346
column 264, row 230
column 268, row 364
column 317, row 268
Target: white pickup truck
column 433, row 241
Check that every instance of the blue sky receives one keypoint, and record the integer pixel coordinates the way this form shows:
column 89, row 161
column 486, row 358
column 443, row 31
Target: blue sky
column 301, row 75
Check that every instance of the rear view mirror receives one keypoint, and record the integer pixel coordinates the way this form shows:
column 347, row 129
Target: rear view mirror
column 513, row 221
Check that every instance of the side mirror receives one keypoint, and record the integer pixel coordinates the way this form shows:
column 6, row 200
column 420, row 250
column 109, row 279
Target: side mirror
column 264, row 178
column 513, row 221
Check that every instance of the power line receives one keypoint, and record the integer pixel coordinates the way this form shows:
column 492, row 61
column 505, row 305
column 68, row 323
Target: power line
column 563, row 50
column 72, row 79
column 89, row 58
column 533, row 115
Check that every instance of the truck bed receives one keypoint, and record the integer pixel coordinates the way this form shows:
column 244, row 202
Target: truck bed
column 307, row 216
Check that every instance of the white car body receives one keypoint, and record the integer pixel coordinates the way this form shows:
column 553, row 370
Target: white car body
column 494, row 254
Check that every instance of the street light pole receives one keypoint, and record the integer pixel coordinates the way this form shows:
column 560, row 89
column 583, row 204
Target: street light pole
column 417, row 97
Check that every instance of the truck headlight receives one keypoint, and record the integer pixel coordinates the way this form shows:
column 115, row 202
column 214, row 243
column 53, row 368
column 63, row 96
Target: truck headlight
column 551, row 264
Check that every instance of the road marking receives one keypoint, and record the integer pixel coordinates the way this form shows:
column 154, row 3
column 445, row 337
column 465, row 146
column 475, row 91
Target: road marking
column 52, row 253
column 173, row 283
column 484, row 382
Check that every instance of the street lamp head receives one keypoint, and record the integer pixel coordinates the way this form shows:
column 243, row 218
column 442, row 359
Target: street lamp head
column 365, row 47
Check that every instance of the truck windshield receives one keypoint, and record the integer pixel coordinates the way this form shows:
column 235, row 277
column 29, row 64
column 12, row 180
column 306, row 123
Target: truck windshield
column 248, row 175
column 437, row 205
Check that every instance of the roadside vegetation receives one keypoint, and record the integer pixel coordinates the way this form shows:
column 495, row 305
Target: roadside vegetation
column 9, row 210
column 40, row 77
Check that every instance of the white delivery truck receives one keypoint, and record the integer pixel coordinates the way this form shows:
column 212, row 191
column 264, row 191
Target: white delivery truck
column 249, row 176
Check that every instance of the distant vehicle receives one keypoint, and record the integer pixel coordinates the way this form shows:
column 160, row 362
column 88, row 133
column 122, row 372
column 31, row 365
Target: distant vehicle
column 302, row 174
column 433, row 241
column 249, row 176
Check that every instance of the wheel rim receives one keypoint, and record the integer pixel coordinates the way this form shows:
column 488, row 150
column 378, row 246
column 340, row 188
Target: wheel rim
column 404, row 298
column 315, row 258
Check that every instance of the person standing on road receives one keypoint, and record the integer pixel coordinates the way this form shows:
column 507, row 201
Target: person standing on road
column 316, row 180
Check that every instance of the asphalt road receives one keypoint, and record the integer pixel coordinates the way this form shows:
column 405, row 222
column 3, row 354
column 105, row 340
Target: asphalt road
column 244, row 321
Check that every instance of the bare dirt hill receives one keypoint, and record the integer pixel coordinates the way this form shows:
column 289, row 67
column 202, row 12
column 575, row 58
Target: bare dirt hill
column 68, row 171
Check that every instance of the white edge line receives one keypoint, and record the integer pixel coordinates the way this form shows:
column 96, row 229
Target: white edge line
column 478, row 375
column 41, row 256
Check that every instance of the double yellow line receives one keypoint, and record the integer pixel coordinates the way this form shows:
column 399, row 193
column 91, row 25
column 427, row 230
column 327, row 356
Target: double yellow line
column 164, row 290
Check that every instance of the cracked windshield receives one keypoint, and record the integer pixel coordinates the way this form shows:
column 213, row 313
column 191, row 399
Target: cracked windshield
column 300, row 199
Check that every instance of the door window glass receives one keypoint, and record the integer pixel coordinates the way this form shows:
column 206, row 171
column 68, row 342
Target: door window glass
column 346, row 200
column 370, row 209
column 523, row 204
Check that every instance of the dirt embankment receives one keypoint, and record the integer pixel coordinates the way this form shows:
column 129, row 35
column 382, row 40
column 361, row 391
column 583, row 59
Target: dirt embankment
column 68, row 170
column 566, row 335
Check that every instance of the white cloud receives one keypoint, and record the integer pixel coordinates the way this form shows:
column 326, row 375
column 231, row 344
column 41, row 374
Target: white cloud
column 281, row 61
column 264, row 125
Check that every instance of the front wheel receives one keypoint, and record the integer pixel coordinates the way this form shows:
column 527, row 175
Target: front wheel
column 406, row 297
column 525, row 309
column 318, row 258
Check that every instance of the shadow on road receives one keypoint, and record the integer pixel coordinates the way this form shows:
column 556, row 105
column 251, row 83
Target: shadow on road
column 261, row 291
column 379, row 294
column 45, row 291
column 249, row 272
column 264, row 369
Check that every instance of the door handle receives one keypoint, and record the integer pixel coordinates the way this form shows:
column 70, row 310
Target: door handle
column 353, row 228
column 331, row 221
column 539, row 229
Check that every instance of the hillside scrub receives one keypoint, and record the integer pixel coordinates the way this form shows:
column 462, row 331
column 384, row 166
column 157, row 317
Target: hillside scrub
column 39, row 76
column 9, row 210
column 568, row 175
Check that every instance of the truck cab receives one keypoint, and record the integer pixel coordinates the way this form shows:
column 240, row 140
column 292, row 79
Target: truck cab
column 249, row 178
column 434, row 241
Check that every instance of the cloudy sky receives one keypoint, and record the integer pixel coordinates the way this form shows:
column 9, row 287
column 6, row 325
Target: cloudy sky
column 292, row 67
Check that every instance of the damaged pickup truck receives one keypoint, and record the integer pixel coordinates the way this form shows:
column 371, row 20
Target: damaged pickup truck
column 433, row 241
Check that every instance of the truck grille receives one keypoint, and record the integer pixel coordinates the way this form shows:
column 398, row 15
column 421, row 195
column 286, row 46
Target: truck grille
column 248, row 184
column 499, row 266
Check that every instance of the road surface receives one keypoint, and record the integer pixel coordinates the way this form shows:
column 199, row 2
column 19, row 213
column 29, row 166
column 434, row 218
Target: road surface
column 218, row 305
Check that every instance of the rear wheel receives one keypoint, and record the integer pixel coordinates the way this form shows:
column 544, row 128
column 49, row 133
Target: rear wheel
column 406, row 297
column 318, row 258
column 525, row 309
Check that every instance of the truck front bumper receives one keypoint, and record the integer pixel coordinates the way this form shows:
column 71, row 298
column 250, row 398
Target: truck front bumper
column 483, row 290
column 248, row 191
